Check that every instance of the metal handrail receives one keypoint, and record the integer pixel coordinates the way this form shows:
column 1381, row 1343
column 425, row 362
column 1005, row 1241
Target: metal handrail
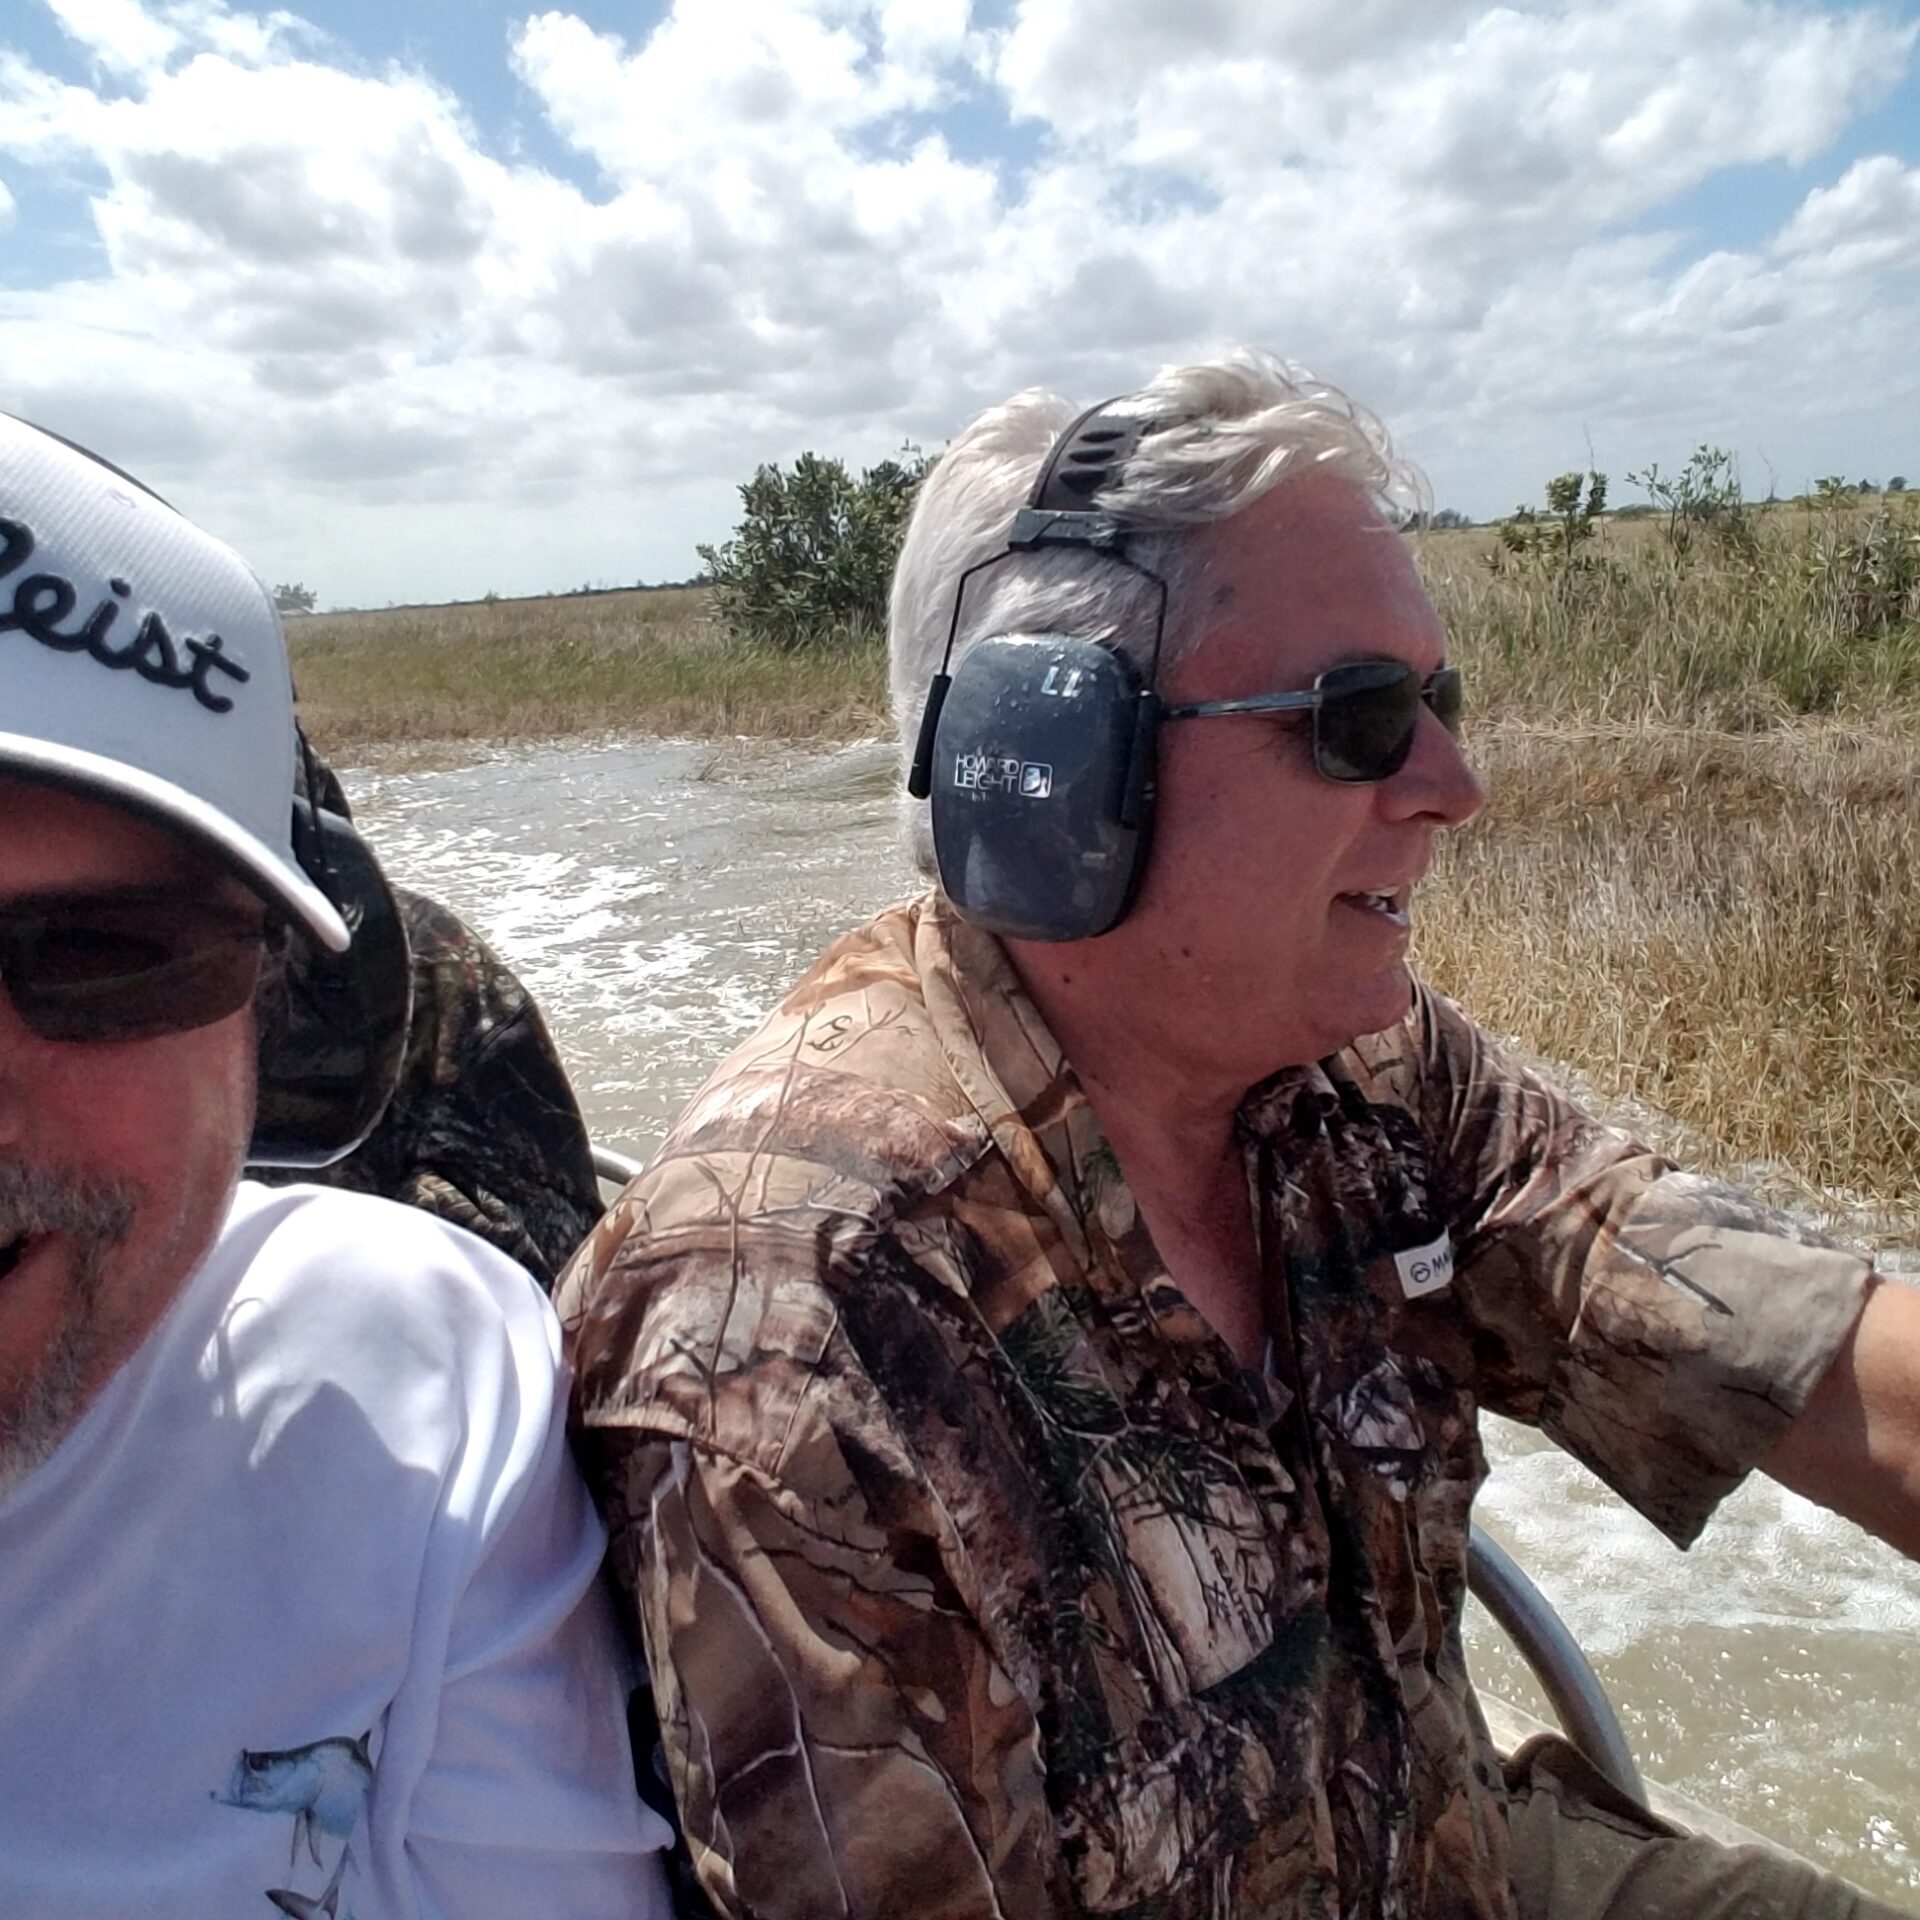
column 1519, row 1608
column 614, row 1167
column 1547, row 1645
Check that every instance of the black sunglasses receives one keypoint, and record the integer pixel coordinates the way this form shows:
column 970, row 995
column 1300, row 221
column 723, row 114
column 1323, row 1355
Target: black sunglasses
column 127, row 966
column 1364, row 712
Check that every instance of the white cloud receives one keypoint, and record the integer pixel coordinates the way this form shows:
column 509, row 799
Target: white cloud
column 726, row 91
column 328, row 307
column 128, row 39
column 1517, row 118
column 1868, row 220
column 41, row 118
column 123, row 36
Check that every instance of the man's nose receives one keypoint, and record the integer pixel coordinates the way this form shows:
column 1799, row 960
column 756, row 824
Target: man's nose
column 1437, row 780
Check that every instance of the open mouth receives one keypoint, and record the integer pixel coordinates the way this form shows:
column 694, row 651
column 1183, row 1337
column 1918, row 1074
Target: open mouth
column 1388, row 906
column 12, row 1252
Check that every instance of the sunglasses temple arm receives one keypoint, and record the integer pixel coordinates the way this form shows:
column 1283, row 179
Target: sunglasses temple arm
column 1257, row 703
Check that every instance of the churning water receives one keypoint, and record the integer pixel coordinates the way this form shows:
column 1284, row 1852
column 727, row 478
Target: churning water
column 658, row 895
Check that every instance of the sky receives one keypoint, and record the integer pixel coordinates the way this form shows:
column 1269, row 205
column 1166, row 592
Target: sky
column 415, row 300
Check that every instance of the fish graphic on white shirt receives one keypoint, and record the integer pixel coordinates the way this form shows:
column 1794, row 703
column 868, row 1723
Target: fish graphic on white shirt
column 324, row 1786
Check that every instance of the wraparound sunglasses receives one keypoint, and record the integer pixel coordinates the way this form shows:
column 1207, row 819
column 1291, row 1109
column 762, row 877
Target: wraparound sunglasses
column 126, row 965
column 1365, row 713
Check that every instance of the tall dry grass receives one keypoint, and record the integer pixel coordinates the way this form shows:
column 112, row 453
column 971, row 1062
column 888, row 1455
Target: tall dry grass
column 1697, row 879
column 1717, row 927
column 1723, row 639
column 648, row 661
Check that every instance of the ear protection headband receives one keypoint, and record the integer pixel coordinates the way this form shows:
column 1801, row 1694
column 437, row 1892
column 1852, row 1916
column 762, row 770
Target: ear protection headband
column 331, row 1051
column 1037, row 752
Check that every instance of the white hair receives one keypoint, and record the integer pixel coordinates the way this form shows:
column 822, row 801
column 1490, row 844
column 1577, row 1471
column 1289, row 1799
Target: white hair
column 1225, row 432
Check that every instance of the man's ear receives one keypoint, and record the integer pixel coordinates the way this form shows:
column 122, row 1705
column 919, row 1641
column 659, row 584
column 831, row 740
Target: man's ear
column 333, row 1036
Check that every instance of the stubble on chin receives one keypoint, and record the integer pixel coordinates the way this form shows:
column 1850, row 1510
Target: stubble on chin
column 41, row 1398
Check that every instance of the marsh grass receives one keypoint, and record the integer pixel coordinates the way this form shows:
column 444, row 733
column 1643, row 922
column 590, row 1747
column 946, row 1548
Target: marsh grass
column 1698, row 874
column 1638, row 634
column 582, row 664
column 1697, row 880
column 1719, row 927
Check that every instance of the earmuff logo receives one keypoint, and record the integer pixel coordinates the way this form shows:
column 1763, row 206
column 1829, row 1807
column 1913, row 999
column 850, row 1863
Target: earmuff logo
column 1000, row 773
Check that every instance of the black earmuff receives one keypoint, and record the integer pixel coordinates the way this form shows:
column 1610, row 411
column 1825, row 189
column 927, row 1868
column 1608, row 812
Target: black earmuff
column 332, row 1046
column 1037, row 752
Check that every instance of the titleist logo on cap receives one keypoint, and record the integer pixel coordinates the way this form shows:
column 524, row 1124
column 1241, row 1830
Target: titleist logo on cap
column 43, row 602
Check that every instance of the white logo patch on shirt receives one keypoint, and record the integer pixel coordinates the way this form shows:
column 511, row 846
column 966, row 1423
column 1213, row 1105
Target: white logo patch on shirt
column 1425, row 1269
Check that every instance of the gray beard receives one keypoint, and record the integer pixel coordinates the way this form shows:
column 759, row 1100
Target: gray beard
column 40, row 1403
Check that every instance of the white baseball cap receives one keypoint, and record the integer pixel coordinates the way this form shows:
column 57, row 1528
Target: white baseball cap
column 143, row 663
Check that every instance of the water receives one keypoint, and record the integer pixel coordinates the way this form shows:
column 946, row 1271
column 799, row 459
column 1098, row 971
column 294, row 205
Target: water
column 658, row 895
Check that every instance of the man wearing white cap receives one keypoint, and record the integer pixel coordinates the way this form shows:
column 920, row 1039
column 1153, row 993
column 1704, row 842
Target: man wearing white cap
column 297, row 1584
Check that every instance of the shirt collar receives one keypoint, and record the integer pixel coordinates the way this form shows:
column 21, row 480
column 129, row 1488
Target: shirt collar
column 1005, row 1059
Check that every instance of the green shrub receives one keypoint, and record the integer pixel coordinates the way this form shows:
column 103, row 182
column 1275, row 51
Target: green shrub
column 812, row 558
column 1703, row 499
column 1556, row 540
column 1866, row 566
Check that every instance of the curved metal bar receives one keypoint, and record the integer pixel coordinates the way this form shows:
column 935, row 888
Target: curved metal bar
column 1566, row 1676
column 614, row 1167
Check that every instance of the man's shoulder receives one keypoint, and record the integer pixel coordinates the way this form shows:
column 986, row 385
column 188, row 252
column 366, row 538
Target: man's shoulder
column 800, row 1170
column 353, row 1272
column 846, row 1097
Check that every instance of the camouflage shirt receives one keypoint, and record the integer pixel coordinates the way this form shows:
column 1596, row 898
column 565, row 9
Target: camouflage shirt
column 978, row 1579
column 483, row 1128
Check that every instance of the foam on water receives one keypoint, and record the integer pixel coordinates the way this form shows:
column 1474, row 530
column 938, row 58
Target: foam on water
column 656, row 897
column 1767, row 1556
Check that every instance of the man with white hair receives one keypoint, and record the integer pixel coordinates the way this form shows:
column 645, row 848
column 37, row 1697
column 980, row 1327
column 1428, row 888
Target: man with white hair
column 297, row 1583
column 1034, row 1391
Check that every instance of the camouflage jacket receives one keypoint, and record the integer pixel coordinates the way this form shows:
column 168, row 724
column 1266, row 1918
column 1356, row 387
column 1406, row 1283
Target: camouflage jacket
column 483, row 1128
column 978, row 1579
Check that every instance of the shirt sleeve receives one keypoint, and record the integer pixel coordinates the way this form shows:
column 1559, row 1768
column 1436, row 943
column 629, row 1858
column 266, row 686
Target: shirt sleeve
column 504, row 1782
column 1663, row 1328
column 841, row 1739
